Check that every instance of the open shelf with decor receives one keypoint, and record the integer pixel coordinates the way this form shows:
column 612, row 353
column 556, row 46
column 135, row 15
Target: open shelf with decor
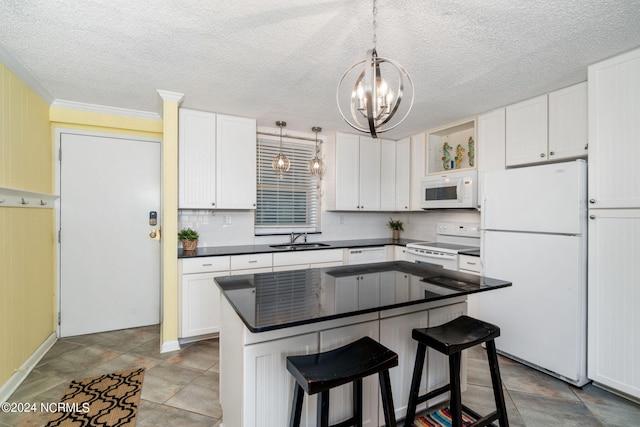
column 452, row 148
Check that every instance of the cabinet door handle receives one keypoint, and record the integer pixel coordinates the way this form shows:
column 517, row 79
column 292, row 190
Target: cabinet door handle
column 207, row 265
column 586, row 146
column 592, row 217
column 253, row 261
column 541, row 154
column 592, row 201
column 552, row 153
column 213, row 203
column 471, row 263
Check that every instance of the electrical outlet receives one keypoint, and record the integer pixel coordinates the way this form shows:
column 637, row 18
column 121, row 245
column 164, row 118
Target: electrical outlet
column 226, row 220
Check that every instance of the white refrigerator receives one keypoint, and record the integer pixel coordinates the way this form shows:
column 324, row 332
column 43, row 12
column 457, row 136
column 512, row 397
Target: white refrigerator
column 534, row 235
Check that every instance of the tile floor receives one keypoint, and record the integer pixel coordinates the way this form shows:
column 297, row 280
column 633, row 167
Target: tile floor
column 181, row 388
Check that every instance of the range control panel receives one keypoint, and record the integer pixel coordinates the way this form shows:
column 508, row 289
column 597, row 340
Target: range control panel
column 458, row 229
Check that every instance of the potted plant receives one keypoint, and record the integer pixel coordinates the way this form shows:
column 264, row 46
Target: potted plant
column 396, row 226
column 189, row 239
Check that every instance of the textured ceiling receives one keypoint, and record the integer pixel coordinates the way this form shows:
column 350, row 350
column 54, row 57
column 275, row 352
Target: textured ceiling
column 281, row 60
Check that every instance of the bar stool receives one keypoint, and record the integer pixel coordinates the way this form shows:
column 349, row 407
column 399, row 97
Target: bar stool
column 318, row 373
column 450, row 339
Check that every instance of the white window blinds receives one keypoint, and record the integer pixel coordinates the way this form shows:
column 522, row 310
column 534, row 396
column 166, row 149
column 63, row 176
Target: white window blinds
column 287, row 202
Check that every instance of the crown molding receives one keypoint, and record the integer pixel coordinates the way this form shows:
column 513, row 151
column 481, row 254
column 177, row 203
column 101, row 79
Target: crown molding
column 171, row 96
column 103, row 109
column 23, row 74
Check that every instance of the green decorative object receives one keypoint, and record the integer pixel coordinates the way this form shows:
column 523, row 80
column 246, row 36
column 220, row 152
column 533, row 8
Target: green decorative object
column 446, row 156
column 472, row 151
column 396, row 227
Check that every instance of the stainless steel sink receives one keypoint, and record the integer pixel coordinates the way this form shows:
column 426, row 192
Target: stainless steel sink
column 298, row 246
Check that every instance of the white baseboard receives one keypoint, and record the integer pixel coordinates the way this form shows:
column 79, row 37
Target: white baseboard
column 21, row 374
column 170, row 346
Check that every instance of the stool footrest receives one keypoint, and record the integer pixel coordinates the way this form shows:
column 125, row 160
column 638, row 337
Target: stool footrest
column 346, row 423
column 433, row 393
column 481, row 421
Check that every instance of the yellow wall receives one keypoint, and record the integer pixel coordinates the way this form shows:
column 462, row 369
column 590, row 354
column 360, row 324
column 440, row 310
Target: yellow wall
column 27, row 248
column 27, row 236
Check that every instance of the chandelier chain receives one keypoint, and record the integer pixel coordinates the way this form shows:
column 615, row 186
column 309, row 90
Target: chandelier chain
column 375, row 24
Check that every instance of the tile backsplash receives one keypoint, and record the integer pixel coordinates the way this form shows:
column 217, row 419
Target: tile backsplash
column 230, row 228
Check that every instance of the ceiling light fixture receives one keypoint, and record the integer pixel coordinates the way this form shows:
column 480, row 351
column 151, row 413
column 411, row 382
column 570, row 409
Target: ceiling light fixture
column 372, row 100
column 280, row 163
column 316, row 165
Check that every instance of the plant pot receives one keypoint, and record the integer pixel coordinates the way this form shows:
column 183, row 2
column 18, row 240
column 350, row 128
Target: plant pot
column 395, row 235
column 189, row 245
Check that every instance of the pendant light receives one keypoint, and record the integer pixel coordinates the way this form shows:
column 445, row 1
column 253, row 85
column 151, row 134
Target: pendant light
column 280, row 163
column 372, row 101
column 316, row 165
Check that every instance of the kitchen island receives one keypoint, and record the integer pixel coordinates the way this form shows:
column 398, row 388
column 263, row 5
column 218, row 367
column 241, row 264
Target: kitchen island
column 269, row 316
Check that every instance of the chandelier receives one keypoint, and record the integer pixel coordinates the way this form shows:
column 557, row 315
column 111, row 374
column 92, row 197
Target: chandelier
column 316, row 165
column 281, row 163
column 374, row 101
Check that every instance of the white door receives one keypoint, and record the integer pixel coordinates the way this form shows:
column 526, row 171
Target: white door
column 109, row 267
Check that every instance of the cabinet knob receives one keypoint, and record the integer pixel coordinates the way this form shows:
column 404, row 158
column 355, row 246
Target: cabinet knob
column 592, row 217
column 213, row 203
column 592, row 201
column 586, row 146
column 541, row 154
column 551, row 153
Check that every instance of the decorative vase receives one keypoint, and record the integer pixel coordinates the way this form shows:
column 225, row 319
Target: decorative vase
column 189, row 245
column 395, row 235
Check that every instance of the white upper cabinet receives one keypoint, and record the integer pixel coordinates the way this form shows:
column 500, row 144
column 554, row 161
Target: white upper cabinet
column 547, row 128
column 490, row 151
column 568, row 122
column 403, row 175
column 357, row 173
column 614, row 132
column 526, row 137
column 388, row 173
column 217, row 161
column 196, row 160
column 418, row 168
column 236, row 166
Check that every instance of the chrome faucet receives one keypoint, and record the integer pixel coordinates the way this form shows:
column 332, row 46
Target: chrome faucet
column 294, row 237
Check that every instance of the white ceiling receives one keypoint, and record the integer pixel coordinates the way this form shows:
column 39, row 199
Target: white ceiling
column 282, row 59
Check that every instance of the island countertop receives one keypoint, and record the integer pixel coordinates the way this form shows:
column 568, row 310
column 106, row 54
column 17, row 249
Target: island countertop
column 277, row 300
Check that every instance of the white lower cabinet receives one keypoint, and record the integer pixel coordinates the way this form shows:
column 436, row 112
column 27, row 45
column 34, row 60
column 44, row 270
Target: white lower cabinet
column 395, row 333
column 268, row 400
column 341, row 398
column 200, row 296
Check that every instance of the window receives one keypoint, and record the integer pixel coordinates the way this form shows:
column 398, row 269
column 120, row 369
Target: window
column 290, row 202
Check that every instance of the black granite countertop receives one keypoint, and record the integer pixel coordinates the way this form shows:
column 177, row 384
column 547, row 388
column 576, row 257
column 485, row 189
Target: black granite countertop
column 277, row 300
column 257, row 249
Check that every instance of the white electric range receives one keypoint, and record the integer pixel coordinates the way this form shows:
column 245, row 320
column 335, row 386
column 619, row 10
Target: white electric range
column 451, row 238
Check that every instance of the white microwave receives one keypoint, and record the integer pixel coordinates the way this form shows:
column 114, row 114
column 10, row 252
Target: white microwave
column 455, row 190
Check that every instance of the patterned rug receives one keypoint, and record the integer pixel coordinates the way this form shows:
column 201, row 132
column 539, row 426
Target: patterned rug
column 108, row 400
column 440, row 418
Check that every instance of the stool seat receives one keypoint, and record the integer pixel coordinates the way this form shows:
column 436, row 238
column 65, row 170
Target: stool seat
column 459, row 334
column 318, row 373
column 323, row 371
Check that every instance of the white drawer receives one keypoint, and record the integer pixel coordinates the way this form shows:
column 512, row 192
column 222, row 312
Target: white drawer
column 307, row 257
column 469, row 263
column 205, row 264
column 239, row 262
